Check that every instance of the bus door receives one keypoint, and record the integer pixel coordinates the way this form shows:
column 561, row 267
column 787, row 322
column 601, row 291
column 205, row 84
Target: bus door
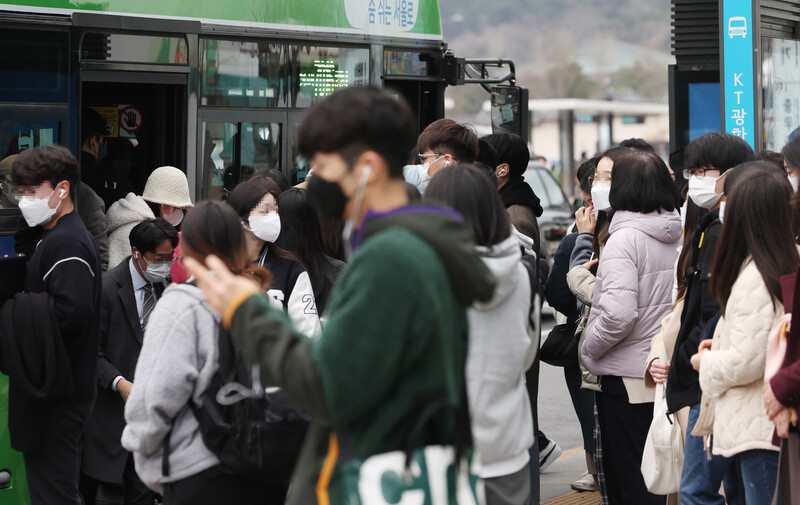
column 416, row 75
column 237, row 144
column 134, row 74
column 145, row 124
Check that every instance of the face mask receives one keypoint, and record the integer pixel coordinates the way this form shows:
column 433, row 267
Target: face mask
column 156, row 272
column 327, row 197
column 423, row 172
column 600, row 196
column 267, row 228
column 173, row 218
column 36, row 211
column 684, row 209
column 102, row 152
column 795, row 182
column 721, row 211
column 423, row 169
column 702, row 191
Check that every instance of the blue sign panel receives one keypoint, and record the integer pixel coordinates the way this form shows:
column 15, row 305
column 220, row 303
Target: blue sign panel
column 738, row 78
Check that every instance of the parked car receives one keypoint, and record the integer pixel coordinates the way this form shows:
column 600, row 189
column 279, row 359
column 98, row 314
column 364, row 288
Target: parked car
column 558, row 213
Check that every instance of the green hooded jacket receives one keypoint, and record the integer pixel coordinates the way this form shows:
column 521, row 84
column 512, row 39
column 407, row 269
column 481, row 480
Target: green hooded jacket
column 395, row 339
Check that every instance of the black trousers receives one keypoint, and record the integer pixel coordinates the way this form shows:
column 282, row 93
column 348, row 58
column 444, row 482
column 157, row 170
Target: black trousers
column 213, row 487
column 624, row 428
column 53, row 470
column 132, row 491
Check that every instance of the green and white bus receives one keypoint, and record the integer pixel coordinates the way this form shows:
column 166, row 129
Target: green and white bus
column 215, row 88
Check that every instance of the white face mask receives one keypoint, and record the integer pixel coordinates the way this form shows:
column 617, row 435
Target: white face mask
column 721, row 211
column 175, row 217
column 702, row 191
column 156, row 271
column 423, row 169
column 36, row 211
column 267, row 228
column 795, row 182
column 684, row 209
column 600, row 196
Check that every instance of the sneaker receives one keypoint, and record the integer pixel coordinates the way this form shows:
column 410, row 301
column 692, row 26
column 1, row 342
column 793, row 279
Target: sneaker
column 548, row 455
column 585, row 483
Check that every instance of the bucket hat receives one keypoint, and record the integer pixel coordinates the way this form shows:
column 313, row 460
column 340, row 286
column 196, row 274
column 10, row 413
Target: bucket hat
column 168, row 186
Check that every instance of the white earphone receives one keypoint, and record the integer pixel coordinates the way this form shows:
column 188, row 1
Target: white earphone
column 63, row 192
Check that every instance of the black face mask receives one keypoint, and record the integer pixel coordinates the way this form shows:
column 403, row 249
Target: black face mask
column 327, row 197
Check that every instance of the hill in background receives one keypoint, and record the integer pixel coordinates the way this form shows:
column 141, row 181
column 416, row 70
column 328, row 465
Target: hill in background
column 565, row 48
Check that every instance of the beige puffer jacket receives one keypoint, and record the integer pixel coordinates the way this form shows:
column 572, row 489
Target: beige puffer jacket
column 732, row 372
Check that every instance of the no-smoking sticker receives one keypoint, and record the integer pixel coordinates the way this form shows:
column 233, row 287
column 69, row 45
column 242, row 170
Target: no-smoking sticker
column 130, row 119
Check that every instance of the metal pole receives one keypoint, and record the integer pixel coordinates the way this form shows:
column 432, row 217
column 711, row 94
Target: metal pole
column 566, row 128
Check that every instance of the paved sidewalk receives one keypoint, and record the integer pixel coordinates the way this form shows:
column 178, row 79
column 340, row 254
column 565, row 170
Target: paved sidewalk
column 556, row 479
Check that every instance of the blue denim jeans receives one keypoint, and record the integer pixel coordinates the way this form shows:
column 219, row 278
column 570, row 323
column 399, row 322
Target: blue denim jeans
column 759, row 474
column 701, row 477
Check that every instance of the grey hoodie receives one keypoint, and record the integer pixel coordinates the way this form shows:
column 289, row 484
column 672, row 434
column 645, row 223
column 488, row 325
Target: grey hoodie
column 502, row 346
column 632, row 294
column 177, row 362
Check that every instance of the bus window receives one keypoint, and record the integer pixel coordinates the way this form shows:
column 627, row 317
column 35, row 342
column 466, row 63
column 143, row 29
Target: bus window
column 19, row 134
column 261, row 148
column 34, row 66
column 134, row 48
column 243, row 74
column 319, row 71
column 234, row 152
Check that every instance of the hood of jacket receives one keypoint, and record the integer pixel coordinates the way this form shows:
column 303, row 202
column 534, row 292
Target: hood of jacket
column 444, row 230
column 502, row 260
column 131, row 209
column 518, row 192
column 663, row 226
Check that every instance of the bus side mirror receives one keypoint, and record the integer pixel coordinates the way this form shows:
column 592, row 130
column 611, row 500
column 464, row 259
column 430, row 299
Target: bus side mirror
column 510, row 111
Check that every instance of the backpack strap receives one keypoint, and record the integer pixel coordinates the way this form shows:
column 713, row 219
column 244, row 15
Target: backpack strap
column 225, row 360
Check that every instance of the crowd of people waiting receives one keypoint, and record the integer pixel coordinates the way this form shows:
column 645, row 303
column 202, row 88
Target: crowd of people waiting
column 392, row 307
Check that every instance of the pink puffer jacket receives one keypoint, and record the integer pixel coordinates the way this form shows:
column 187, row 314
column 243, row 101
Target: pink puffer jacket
column 633, row 292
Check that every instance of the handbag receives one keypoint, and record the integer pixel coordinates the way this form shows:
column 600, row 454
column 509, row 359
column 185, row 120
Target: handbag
column 434, row 474
column 560, row 348
column 662, row 459
column 776, row 346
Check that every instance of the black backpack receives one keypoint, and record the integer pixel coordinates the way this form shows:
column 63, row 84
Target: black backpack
column 253, row 433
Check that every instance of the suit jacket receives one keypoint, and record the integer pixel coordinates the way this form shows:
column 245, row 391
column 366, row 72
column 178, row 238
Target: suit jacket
column 120, row 343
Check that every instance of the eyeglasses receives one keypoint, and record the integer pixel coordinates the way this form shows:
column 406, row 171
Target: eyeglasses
column 698, row 172
column 422, row 157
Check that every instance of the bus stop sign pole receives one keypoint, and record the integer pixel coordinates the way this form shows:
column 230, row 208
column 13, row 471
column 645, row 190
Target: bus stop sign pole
column 738, row 33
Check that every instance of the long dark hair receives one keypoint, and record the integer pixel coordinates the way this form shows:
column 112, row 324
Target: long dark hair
column 300, row 230
column 214, row 228
column 758, row 223
column 246, row 195
column 603, row 222
column 470, row 191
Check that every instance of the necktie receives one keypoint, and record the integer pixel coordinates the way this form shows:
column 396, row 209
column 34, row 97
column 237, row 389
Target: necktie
column 149, row 303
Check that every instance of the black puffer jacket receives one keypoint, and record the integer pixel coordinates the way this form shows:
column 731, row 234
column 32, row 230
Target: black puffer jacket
column 683, row 383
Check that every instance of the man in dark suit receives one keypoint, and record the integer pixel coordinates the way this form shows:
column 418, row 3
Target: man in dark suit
column 130, row 291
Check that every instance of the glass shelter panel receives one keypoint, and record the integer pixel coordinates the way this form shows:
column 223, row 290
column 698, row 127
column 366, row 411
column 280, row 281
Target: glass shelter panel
column 781, row 87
